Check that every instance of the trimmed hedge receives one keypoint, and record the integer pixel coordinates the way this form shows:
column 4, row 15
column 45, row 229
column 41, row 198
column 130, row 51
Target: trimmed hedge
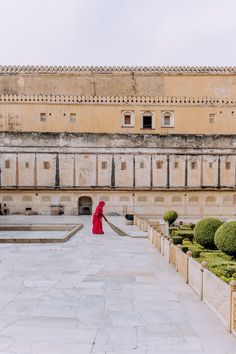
column 225, row 238
column 194, row 247
column 177, row 240
column 185, row 234
column 221, row 264
column 170, row 216
column 204, row 232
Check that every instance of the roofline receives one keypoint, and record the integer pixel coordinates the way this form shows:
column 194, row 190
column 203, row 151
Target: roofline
column 162, row 70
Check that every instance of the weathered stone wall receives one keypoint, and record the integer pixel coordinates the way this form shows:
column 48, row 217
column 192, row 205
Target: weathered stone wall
column 218, row 82
column 104, row 114
column 121, row 169
column 117, row 161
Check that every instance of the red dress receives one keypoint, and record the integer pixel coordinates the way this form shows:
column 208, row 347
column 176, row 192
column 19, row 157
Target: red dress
column 97, row 219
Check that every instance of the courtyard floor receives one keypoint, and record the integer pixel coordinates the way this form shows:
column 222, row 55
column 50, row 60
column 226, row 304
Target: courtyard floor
column 100, row 294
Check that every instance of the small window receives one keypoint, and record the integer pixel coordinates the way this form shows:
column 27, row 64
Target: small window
column 210, row 200
column 7, row 164
column 8, row 198
column 176, row 199
column 142, row 199
column 228, row 165
column 193, row 165
column 104, row 165
column 159, row 165
column 159, row 199
column 176, row 165
column 65, row 199
column 234, row 199
column 193, row 200
column 211, row 118
column 123, row 166
column 46, row 198
column 27, row 165
column 167, row 119
column 141, row 164
column 105, row 198
column 43, row 117
column 210, row 164
column 26, row 198
column 147, row 121
column 46, row 165
column 124, row 199
column 127, row 119
column 72, row 117
column 227, row 200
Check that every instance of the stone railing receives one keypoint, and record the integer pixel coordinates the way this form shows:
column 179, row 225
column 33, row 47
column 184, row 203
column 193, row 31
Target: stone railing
column 28, row 69
column 218, row 295
column 118, row 100
column 143, row 221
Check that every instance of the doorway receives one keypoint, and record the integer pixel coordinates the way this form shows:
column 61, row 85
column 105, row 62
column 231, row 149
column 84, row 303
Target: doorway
column 85, row 205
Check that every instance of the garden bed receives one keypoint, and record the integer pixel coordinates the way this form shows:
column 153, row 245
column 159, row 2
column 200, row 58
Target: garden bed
column 219, row 263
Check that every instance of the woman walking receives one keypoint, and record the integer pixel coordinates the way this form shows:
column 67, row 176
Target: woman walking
column 97, row 219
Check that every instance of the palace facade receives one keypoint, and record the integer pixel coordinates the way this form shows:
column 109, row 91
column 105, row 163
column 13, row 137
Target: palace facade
column 141, row 139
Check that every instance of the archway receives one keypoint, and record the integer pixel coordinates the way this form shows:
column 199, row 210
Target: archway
column 85, row 205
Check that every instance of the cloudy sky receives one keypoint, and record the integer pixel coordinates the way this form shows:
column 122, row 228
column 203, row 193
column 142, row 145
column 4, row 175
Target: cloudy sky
column 118, row 32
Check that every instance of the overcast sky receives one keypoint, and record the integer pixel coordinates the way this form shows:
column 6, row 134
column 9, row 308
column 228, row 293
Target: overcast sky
column 118, row 32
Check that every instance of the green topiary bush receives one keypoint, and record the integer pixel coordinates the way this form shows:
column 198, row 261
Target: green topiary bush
column 204, row 232
column 225, row 238
column 170, row 216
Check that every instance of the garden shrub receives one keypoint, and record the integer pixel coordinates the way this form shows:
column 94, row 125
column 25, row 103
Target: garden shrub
column 170, row 216
column 221, row 264
column 177, row 240
column 185, row 227
column 172, row 230
column 185, row 249
column 196, row 253
column 192, row 226
column 194, row 247
column 185, row 234
column 225, row 238
column 204, row 232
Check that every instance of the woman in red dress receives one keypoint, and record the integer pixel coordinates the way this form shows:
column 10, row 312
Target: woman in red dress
column 97, row 219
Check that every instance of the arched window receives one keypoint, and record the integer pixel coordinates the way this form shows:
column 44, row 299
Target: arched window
column 7, row 198
column 124, row 199
column 127, row 119
column 65, row 199
column 46, row 198
column 227, row 200
column 26, row 198
column 176, row 200
column 167, row 119
column 159, row 199
column 210, row 200
column 193, row 200
column 147, row 120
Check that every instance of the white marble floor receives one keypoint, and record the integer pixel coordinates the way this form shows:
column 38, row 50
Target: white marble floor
column 100, row 294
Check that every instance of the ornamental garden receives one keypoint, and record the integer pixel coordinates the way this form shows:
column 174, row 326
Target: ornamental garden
column 210, row 240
